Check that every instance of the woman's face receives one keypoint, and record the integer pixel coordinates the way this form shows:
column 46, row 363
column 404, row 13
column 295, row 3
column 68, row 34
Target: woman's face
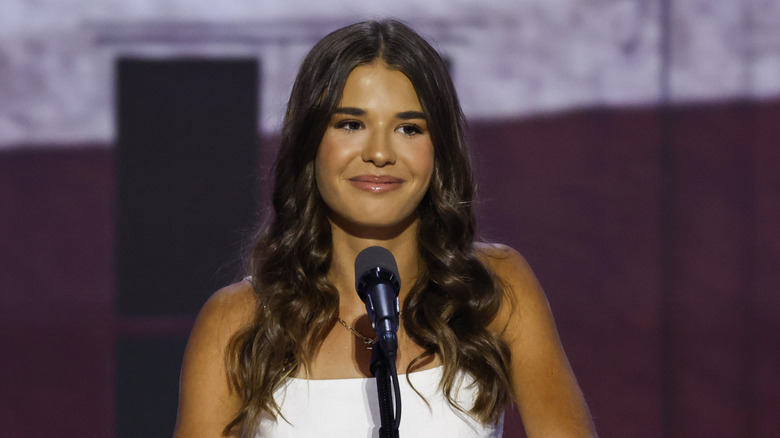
column 375, row 160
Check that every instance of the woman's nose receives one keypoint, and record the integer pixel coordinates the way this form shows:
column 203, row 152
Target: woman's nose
column 379, row 149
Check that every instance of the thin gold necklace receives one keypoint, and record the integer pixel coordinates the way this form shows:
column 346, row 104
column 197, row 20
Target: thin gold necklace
column 368, row 342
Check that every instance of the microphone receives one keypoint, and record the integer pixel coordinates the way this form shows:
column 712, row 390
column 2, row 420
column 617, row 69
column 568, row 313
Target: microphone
column 377, row 283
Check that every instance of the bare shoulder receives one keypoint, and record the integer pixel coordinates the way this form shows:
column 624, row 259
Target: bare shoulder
column 525, row 306
column 512, row 270
column 230, row 308
column 226, row 312
column 499, row 256
column 548, row 396
column 206, row 403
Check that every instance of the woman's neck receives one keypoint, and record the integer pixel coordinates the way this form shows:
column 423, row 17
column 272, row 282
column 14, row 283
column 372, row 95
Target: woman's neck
column 345, row 248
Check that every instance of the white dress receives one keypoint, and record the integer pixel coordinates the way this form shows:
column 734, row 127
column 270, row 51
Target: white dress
column 348, row 408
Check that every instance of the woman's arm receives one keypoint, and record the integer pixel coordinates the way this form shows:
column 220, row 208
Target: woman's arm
column 206, row 404
column 548, row 396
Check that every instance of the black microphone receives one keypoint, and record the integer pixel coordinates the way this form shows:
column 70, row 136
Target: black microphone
column 377, row 283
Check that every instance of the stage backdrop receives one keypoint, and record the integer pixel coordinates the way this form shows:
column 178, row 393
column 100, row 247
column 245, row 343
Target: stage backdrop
column 652, row 230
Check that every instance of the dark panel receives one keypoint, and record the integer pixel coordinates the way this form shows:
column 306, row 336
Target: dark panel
column 147, row 392
column 187, row 166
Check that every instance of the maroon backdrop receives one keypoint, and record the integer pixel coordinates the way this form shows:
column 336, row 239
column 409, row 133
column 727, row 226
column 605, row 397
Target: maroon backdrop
column 653, row 232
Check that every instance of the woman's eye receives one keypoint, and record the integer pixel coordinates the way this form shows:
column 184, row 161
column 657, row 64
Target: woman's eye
column 349, row 125
column 410, row 130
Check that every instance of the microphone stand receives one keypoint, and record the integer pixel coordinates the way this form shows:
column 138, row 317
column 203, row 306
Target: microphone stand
column 377, row 283
column 384, row 369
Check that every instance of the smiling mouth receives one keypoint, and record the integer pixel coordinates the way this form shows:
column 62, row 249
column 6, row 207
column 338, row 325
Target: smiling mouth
column 376, row 183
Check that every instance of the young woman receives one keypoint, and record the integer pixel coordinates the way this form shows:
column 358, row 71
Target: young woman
column 372, row 153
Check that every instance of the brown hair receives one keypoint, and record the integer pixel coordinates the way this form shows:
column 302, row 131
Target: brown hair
column 456, row 296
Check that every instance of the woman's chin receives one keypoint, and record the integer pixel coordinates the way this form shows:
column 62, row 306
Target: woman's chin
column 373, row 228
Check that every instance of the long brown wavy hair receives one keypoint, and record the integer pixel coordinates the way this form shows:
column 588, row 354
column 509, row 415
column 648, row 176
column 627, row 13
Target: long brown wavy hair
column 455, row 297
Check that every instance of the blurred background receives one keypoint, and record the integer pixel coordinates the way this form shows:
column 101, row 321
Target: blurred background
column 628, row 148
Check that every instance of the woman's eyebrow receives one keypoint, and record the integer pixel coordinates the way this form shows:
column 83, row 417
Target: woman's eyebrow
column 350, row 111
column 407, row 115
column 404, row 115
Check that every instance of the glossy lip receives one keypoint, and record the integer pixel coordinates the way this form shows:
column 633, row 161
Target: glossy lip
column 376, row 183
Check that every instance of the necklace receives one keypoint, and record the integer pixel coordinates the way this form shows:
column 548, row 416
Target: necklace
column 368, row 342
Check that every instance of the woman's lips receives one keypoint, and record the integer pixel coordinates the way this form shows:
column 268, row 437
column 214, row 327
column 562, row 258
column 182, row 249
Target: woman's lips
column 376, row 183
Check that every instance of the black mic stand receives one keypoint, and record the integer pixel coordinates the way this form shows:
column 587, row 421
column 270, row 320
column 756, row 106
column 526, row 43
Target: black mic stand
column 383, row 368
column 377, row 283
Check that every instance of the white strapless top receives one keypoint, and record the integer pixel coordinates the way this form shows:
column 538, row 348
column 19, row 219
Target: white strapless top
column 349, row 408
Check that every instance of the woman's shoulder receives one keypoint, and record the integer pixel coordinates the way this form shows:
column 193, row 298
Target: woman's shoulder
column 494, row 250
column 507, row 264
column 230, row 307
column 548, row 396
column 522, row 292
column 224, row 313
column 206, row 403
column 236, row 295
